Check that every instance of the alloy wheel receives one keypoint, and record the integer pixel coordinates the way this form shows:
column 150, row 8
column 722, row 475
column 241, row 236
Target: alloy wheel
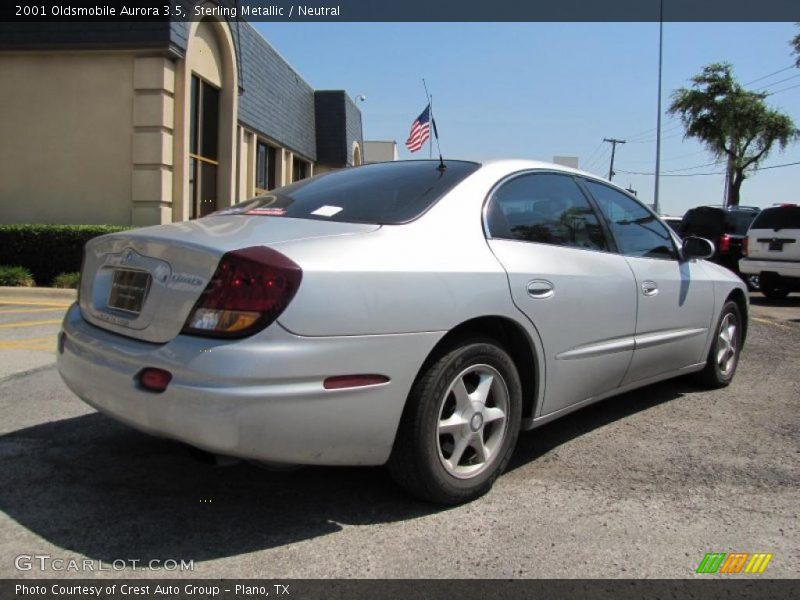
column 727, row 344
column 473, row 421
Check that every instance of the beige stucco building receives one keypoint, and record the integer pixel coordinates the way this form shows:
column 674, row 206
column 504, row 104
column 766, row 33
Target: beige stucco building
column 157, row 123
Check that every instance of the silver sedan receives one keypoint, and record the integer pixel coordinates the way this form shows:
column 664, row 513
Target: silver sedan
column 417, row 314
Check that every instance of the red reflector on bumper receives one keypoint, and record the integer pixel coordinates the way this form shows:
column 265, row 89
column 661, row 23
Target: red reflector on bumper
column 154, row 380
column 350, row 381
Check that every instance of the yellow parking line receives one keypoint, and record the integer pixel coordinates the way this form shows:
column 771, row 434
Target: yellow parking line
column 38, row 340
column 771, row 322
column 31, row 344
column 47, row 347
column 32, row 303
column 29, row 323
column 28, row 310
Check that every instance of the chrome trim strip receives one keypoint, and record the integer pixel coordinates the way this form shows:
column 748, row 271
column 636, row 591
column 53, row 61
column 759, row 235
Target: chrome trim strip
column 663, row 337
column 598, row 349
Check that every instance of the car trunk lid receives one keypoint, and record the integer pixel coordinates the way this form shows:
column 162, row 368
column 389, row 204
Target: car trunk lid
column 144, row 283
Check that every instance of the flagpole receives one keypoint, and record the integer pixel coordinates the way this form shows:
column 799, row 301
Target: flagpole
column 430, row 139
column 430, row 115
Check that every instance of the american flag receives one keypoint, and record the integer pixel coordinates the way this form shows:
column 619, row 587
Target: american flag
column 420, row 130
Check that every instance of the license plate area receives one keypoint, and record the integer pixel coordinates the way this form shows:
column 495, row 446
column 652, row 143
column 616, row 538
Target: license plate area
column 776, row 246
column 129, row 288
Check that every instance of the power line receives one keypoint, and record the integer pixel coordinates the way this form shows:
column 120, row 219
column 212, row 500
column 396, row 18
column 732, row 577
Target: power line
column 711, row 164
column 777, row 82
column 591, row 156
column 792, row 66
column 791, row 164
column 599, row 158
column 651, row 131
column 786, row 89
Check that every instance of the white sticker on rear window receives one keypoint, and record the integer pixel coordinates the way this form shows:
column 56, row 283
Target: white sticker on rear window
column 327, row 211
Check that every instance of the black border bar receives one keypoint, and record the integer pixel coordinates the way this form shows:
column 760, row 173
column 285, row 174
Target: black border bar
column 404, row 10
column 730, row 588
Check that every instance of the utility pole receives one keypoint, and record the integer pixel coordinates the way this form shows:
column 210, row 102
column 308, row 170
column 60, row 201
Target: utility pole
column 613, row 143
column 656, row 202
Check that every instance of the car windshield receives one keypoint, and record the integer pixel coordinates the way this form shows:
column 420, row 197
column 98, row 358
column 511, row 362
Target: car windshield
column 778, row 217
column 384, row 193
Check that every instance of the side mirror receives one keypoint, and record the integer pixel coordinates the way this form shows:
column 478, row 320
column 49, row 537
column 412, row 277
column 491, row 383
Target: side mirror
column 697, row 247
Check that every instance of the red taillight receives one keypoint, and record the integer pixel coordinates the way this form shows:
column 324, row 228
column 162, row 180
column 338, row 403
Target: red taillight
column 745, row 245
column 350, row 381
column 154, row 380
column 248, row 291
column 724, row 242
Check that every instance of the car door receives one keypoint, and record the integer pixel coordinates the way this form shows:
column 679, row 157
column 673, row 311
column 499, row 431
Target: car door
column 675, row 297
column 579, row 295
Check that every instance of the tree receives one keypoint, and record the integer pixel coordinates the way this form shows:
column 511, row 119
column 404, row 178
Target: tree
column 796, row 45
column 733, row 123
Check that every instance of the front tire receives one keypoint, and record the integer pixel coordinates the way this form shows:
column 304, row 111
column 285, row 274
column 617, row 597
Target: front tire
column 460, row 425
column 723, row 357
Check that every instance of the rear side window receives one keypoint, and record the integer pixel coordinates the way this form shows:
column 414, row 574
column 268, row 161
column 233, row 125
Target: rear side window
column 544, row 208
column 385, row 193
column 704, row 222
column 778, row 217
column 638, row 232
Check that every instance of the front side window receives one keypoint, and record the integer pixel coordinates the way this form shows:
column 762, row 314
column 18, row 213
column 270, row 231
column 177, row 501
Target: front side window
column 545, row 208
column 638, row 232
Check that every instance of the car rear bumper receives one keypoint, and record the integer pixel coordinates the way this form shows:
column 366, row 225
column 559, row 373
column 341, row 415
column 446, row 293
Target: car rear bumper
column 789, row 269
column 260, row 398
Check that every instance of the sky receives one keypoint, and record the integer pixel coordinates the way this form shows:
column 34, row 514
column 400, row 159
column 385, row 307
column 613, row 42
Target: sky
column 536, row 90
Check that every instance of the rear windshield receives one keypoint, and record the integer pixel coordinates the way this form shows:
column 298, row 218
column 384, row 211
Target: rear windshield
column 738, row 222
column 713, row 222
column 385, row 193
column 778, row 217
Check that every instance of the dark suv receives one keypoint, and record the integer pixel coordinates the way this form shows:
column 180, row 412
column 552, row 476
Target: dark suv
column 726, row 227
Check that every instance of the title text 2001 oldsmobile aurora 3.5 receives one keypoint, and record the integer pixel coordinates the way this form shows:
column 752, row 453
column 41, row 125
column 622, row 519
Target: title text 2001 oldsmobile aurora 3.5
column 398, row 313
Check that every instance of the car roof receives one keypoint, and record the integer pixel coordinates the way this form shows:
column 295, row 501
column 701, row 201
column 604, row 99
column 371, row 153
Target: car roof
column 519, row 164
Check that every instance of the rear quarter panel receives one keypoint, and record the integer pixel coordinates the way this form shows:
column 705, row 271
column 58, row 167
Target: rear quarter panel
column 427, row 275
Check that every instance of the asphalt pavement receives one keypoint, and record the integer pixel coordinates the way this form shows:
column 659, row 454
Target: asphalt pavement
column 642, row 485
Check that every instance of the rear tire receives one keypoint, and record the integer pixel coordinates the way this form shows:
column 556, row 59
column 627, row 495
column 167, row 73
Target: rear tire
column 460, row 425
column 773, row 288
column 723, row 357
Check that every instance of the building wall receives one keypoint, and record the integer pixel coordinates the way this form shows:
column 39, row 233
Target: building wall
column 353, row 131
column 66, row 137
column 275, row 101
column 380, row 151
column 93, row 131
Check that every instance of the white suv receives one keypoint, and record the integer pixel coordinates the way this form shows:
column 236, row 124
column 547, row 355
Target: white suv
column 772, row 250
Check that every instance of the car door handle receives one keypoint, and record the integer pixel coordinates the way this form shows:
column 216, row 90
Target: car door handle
column 540, row 289
column 649, row 288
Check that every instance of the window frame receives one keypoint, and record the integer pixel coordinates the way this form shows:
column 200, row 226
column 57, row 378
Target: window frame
column 611, row 244
column 199, row 163
column 582, row 179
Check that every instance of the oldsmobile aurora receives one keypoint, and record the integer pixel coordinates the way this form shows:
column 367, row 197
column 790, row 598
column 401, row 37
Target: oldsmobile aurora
column 416, row 314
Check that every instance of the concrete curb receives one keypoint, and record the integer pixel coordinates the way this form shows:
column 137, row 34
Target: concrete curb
column 37, row 293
